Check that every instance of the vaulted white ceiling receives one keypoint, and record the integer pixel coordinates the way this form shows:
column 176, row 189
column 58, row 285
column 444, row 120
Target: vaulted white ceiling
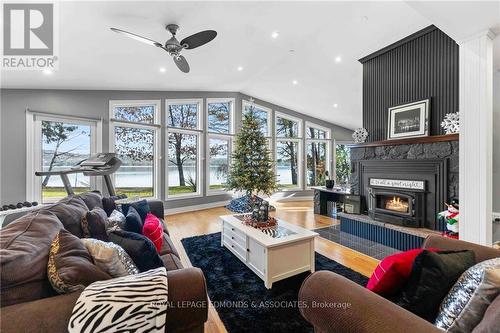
column 311, row 36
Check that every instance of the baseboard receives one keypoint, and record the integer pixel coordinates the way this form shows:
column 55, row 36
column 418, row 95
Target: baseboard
column 186, row 209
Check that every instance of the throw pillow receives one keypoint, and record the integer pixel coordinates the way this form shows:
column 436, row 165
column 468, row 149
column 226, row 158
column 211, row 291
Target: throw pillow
column 141, row 206
column 70, row 212
column 153, row 230
column 133, row 221
column 92, row 199
column 464, row 306
column 115, row 221
column 491, row 318
column 94, row 224
column 24, row 252
column 108, row 204
column 139, row 248
column 110, row 257
column 70, row 266
column 392, row 273
column 136, row 303
column 432, row 276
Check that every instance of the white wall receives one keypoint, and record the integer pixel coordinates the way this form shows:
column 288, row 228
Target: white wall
column 496, row 135
column 496, row 125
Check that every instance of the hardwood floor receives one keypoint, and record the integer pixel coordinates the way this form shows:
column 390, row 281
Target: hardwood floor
column 298, row 212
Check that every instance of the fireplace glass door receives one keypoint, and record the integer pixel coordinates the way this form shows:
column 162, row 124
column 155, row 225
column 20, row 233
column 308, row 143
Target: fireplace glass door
column 394, row 203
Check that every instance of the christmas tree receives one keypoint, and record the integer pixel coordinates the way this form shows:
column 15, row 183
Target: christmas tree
column 252, row 169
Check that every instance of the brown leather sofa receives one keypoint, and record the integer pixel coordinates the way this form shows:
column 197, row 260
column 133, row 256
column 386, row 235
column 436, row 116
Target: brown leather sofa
column 369, row 312
column 29, row 304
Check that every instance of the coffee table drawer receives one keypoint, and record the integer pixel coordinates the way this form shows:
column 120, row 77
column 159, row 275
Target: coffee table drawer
column 231, row 244
column 236, row 235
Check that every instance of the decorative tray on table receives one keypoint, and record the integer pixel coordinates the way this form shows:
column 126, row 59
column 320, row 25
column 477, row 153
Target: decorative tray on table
column 270, row 228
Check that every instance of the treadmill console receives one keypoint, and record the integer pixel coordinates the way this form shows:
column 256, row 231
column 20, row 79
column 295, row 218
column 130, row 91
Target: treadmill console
column 98, row 160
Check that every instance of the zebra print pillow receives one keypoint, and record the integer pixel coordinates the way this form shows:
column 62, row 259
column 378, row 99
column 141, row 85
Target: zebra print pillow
column 134, row 303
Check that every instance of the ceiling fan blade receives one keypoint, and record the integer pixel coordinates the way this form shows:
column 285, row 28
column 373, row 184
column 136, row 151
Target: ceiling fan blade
column 199, row 39
column 181, row 63
column 137, row 37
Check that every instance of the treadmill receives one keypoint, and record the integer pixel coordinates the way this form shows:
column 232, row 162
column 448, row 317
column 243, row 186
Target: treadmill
column 101, row 164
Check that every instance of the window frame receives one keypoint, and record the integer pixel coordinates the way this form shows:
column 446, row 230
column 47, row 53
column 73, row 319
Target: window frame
column 199, row 132
column 270, row 125
column 299, row 186
column 180, row 101
column 34, row 148
column 229, row 138
column 278, row 114
column 329, row 158
column 231, row 114
column 316, row 126
column 155, row 126
column 300, row 149
column 215, row 135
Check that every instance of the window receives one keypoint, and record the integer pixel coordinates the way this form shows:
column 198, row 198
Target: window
column 56, row 143
column 220, row 116
column 342, row 164
column 315, row 133
column 183, row 148
column 184, row 115
column 218, row 162
column 134, row 137
column 220, row 128
column 288, row 151
column 287, row 128
column 263, row 114
column 317, row 154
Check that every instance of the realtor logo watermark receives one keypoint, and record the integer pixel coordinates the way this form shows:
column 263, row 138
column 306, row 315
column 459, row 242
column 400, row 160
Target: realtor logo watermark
column 29, row 36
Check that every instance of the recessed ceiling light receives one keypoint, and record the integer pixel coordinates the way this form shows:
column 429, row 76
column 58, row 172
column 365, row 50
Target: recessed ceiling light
column 163, row 69
column 48, row 71
column 240, row 68
column 338, row 59
column 275, row 34
column 335, row 105
column 295, row 82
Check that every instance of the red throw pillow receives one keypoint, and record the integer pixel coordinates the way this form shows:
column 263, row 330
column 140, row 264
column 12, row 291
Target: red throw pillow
column 393, row 272
column 153, row 230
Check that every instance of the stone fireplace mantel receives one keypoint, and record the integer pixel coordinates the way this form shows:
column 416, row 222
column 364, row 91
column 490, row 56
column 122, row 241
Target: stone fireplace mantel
column 435, row 162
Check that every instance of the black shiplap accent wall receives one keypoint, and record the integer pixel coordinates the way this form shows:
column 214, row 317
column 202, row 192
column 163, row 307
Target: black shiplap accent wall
column 424, row 65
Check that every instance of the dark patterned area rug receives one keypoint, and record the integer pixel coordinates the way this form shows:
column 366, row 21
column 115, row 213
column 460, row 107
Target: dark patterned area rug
column 241, row 300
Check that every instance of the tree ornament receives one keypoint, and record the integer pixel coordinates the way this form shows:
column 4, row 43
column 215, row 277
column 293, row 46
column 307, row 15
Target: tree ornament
column 360, row 135
column 451, row 123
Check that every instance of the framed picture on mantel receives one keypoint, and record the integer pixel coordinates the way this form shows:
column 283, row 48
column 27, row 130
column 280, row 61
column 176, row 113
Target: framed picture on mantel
column 409, row 120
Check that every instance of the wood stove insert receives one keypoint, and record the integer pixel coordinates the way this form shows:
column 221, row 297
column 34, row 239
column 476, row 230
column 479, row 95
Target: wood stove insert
column 397, row 201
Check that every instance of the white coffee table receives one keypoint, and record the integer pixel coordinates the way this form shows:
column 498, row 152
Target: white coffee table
column 271, row 258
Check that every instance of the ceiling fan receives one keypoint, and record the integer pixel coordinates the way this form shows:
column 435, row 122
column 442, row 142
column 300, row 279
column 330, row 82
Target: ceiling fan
column 173, row 46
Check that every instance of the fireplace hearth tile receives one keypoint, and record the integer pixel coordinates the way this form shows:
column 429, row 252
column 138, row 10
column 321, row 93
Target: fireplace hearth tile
column 420, row 232
column 365, row 246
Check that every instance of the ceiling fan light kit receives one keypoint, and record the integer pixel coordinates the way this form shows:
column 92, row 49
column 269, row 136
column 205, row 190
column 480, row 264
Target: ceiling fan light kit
column 173, row 46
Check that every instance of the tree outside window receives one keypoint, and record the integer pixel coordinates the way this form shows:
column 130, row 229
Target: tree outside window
column 63, row 146
column 287, row 152
column 135, row 148
column 219, row 117
column 342, row 164
column 317, row 154
column 134, row 143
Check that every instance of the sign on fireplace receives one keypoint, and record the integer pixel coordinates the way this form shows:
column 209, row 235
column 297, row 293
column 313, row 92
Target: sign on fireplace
column 398, row 183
